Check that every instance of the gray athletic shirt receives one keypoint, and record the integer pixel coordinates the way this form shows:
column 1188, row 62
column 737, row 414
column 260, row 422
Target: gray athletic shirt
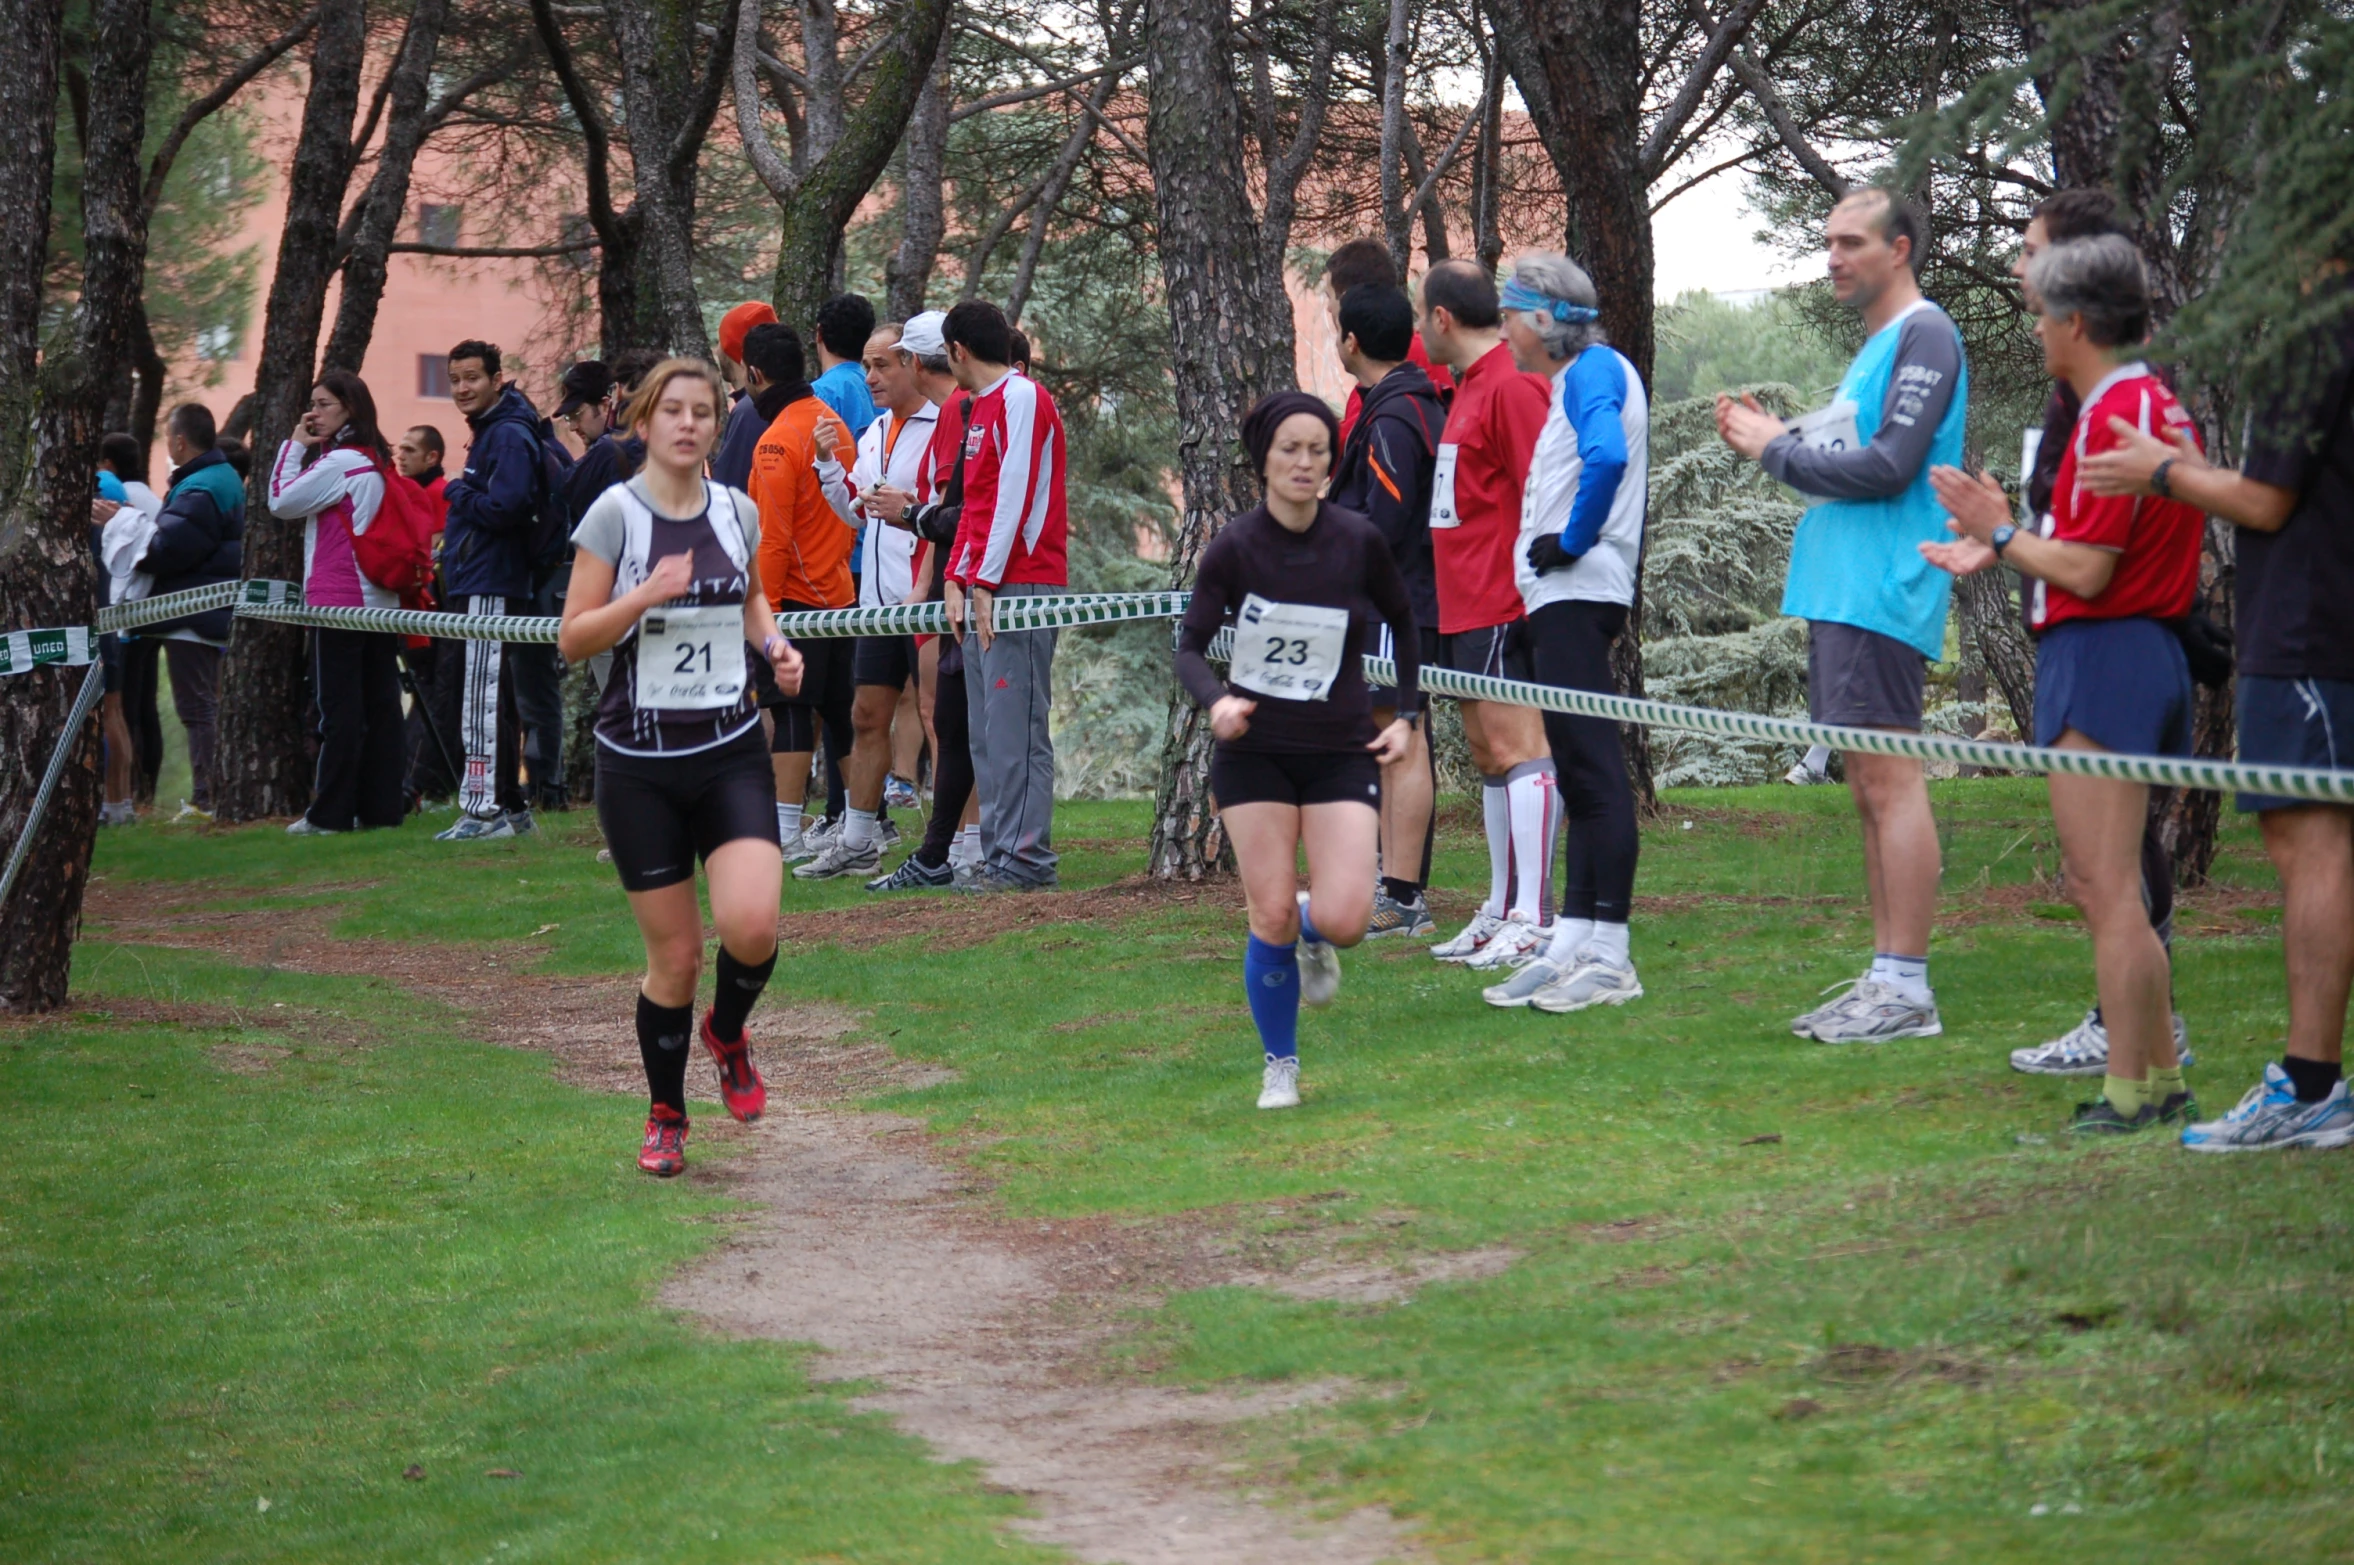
column 601, row 529
column 1920, row 388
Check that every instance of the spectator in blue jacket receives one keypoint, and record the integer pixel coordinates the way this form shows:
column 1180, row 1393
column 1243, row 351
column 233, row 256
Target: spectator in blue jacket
column 486, row 569
column 199, row 541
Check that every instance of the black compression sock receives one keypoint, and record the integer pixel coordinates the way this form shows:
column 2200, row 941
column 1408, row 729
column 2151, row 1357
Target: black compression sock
column 739, row 986
column 1401, row 890
column 2313, row 1079
column 663, row 1032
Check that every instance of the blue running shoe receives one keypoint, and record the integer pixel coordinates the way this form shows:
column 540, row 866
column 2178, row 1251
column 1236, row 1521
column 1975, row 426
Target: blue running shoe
column 2270, row 1116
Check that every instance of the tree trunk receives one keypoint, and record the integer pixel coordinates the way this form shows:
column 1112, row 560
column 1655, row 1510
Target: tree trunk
column 45, row 572
column 147, row 399
column 1396, row 222
column 656, row 42
column 2196, row 814
column 259, row 769
column 1991, row 630
column 818, row 211
column 908, row 273
column 1058, row 181
column 1224, row 355
column 387, row 200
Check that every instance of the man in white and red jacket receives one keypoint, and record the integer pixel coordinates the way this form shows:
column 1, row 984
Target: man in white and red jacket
column 1010, row 541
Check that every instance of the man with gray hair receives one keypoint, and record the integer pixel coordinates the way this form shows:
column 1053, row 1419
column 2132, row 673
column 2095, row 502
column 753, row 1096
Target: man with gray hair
column 1875, row 609
column 1581, row 533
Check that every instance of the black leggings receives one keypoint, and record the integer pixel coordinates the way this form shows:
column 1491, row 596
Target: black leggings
column 952, row 768
column 1569, row 645
column 356, row 680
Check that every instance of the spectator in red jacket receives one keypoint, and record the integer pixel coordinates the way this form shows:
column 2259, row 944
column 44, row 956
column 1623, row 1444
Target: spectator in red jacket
column 1010, row 541
column 436, row 669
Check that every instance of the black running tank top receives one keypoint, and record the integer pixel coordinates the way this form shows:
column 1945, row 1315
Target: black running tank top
column 721, row 580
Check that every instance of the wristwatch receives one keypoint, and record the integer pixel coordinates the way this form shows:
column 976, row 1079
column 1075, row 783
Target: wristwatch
column 2002, row 538
column 2161, row 480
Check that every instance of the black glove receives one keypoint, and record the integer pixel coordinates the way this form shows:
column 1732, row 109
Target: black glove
column 1546, row 554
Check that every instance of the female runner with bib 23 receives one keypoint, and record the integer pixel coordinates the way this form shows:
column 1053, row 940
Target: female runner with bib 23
column 666, row 576
column 1297, row 758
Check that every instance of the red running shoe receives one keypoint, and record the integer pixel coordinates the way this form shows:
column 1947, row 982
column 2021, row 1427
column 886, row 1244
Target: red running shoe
column 740, row 1086
column 665, row 1151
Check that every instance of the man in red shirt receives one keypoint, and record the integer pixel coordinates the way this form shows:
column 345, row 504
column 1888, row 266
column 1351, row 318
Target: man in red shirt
column 1010, row 541
column 1483, row 461
column 1363, row 263
column 434, row 670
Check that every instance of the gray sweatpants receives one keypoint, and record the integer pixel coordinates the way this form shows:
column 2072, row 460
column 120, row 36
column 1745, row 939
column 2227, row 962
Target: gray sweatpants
column 1009, row 692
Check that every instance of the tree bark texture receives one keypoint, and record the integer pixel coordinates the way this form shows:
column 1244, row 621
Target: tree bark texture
column 1222, row 353
column 656, row 42
column 907, row 275
column 617, row 232
column 1396, row 222
column 259, row 768
column 45, row 574
column 819, row 208
column 387, row 199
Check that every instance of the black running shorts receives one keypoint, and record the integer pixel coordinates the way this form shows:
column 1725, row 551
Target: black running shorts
column 1494, row 650
column 883, row 660
column 1278, row 777
column 663, row 812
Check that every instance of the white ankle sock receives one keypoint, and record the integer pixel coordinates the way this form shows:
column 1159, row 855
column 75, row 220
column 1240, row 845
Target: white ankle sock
column 1907, row 975
column 1570, row 936
column 788, row 822
column 966, row 849
column 1609, row 942
column 1495, row 809
column 859, row 828
column 1532, row 796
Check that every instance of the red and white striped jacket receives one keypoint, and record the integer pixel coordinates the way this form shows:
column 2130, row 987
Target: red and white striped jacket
column 1014, row 529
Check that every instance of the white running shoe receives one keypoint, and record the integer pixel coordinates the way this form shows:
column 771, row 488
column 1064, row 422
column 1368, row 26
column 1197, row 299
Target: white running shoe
column 2083, row 1050
column 477, row 828
column 1514, row 946
column 1279, row 1088
column 837, row 858
column 1522, row 986
column 1319, row 965
column 1590, row 982
column 304, row 826
column 1803, row 775
column 1467, row 941
column 1803, row 1024
column 1874, row 1012
column 798, row 847
column 2270, row 1116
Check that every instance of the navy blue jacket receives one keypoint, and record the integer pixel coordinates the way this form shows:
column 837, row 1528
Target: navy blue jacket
column 1385, row 472
column 606, row 462
column 494, row 503
column 199, row 540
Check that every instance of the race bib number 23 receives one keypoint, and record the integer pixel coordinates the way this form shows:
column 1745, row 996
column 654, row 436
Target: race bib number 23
column 691, row 658
column 1288, row 650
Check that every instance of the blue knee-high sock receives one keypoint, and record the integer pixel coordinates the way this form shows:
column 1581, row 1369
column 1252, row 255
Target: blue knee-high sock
column 1271, row 975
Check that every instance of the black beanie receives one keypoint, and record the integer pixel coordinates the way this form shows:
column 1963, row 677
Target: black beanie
column 1260, row 424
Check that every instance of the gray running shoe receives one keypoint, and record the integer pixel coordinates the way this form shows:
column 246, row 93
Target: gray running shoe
column 1803, row 1024
column 965, row 872
column 477, row 828
column 914, row 875
column 1522, row 986
column 1874, row 1012
column 2270, row 1116
column 1469, row 939
column 989, row 883
column 304, row 826
column 1591, row 982
column 1319, row 966
column 2083, row 1050
column 1279, row 1086
column 801, row 846
column 520, row 823
column 889, row 830
column 838, row 858
column 1392, row 917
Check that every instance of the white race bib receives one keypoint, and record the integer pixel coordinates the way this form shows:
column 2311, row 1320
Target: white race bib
column 691, row 658
column 1829, row 428
column 1442, row 490
column 1287, row 649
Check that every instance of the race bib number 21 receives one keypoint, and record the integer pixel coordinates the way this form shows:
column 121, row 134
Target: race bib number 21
column 691, row 658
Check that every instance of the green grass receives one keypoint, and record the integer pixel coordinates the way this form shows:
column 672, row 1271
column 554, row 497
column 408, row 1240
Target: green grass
column 1890, row 1334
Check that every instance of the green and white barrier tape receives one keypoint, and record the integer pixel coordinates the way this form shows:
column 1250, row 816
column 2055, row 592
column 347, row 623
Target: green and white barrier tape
column 24, row 649
column 85, row 700
column 282, row 601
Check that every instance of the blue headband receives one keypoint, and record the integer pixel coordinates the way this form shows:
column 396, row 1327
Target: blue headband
column 1520, row 296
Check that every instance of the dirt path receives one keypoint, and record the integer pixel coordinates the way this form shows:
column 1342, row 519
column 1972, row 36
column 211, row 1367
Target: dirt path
column 985, row 1335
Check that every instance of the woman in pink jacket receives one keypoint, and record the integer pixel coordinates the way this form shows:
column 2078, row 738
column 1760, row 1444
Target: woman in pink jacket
column 332, row 473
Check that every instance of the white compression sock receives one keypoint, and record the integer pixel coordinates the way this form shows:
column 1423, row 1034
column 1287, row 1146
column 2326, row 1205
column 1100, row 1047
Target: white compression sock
column 788, row 822
column 1907, row 975
column 859, row 828
column 1609, row 942
column 1496, row 814
column 1818, row 759
column 966, row 849
column 1532, row 792
column 1570, row 936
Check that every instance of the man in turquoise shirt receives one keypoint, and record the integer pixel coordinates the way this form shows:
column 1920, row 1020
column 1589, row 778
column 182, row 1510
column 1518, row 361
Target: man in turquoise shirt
column 1875, row 617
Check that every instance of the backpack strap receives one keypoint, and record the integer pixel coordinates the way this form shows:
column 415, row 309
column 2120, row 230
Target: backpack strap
column 718, row 501
column 637, row 547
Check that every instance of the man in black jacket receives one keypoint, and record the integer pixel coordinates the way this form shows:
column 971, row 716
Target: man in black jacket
column 199, row 542
column 1385, row 472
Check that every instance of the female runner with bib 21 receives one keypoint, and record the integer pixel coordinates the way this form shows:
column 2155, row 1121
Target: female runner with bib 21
column 1297, row 759
column 666, row 576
